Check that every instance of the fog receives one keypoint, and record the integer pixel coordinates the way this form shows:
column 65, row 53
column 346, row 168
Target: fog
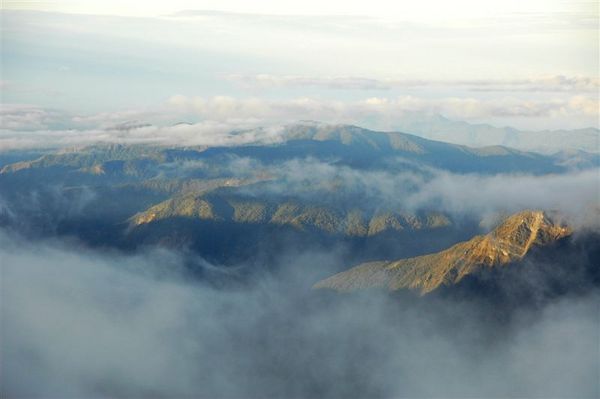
column 82, row 323
column 406, row 187
column 575, row 194
column 213, row 133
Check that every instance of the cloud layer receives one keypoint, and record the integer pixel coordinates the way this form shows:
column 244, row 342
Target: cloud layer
column 541, row 57
column 229, row 108
column 80, row 323
column 574, row 195
column 27, row 126
column 557, row 83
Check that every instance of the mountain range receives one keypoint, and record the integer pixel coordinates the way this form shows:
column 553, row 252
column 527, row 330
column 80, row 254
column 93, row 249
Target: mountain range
column 320, row 186
column 437, row 127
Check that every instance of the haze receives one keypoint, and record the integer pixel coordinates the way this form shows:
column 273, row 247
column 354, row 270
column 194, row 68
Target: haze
column 299, row 199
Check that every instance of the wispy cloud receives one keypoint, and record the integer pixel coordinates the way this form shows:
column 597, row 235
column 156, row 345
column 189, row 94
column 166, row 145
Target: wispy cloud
column 573, row 194
column 344, row 83
column 208, row 133
column 229, row 108
column 29, row 117
column 557, row 83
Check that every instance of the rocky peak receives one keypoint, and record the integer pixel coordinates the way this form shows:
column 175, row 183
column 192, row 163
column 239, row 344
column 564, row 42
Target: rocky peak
column 508, row 242
column 524, row 229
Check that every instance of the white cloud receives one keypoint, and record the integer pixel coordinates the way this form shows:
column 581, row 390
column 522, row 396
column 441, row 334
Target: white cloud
column 29, row 117
column 554, row 83
column 343, row 83
column 208, row 133
column 229, row 108
column 26, row 126
column 423, row 10
column 574, row 194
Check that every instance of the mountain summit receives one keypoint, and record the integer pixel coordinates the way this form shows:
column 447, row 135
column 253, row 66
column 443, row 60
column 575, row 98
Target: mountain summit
column 508, row 242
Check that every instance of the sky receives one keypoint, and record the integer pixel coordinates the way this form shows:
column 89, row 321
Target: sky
column 532, row 65
column 425, row 9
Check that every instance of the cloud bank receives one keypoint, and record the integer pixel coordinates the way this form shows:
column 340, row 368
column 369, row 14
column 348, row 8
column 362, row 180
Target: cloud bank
column 87, row 324
column 573, row 194
column 27, row 126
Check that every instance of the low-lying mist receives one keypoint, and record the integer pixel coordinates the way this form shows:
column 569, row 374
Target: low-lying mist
column 83, row 323
column 574, row 194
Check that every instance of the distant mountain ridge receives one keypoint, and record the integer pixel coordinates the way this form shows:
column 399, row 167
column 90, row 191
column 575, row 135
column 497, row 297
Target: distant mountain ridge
column 508, row 242
column 346, row 143
column 437, row 127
